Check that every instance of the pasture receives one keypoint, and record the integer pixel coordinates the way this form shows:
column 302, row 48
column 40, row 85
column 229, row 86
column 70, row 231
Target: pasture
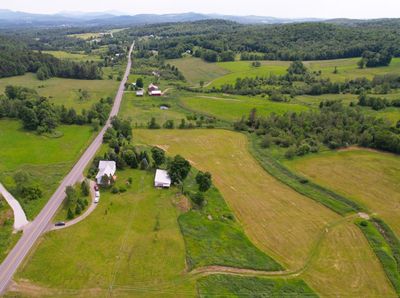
column 371, row 178
column 46, row 159
column 7, row 237
column 220, row 73
column 130, row 245
column 141, row 109
column 288, row 226
column 78, row 56
column 233, row 107
column 65, row 91
column 196, row 70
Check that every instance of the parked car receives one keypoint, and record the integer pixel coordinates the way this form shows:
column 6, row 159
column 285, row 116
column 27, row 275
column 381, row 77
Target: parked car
column 59, row 224
column 97, row 196
column 96, row 187
column 96, row 200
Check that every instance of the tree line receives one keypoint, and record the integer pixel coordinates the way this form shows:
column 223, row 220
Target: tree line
column 37, row 113
column 333, row 126
column 17, row 59
column 304, row 41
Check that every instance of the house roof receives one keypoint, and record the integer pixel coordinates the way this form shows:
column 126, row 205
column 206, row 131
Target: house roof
column 152, row 86
column 162, row 177
column 106, row 167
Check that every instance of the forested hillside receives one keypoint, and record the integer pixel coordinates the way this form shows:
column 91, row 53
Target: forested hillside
column 16, row 59
column 215, row 40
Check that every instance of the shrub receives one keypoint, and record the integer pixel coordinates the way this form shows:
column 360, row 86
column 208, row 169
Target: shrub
column 114, row 190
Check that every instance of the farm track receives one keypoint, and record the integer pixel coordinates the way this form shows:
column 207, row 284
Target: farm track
column 209, row 270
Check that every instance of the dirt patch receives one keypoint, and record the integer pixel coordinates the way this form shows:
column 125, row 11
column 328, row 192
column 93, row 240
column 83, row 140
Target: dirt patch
column 163, row 147
column 356, row 148
column 363, row 215
column 183, row 203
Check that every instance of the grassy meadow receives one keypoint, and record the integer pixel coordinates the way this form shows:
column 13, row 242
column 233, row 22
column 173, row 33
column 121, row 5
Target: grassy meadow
column 7, row 237
column 65, row 91
column 130, row 245
column 78, row 56
column 220, row 73
column 46, row 159
column 196, row 70
column 371, row 178
column 233, row 107
column 291, row 228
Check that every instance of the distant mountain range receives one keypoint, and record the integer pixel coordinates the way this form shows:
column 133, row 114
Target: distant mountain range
column 10, row 18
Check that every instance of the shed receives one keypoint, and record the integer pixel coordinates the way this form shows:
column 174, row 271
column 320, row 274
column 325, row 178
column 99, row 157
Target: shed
column 162, row 179
column 140, row 92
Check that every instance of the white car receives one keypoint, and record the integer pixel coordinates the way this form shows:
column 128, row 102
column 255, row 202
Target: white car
column 97, row 196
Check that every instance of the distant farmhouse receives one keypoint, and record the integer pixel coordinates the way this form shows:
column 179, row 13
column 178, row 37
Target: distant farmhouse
column 106, row 168
column 140, row 92
column 162, row 179
column 153, row 90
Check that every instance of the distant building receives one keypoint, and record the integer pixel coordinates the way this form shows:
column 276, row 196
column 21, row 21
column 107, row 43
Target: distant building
column 154, row 90
column 106, row 167
column 162, row 179
column 140, row 92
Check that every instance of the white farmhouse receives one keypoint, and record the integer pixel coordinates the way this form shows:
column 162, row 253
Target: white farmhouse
column 106, row 167
column 162, row 179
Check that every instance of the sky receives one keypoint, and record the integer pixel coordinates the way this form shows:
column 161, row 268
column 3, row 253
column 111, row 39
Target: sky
column 361, row 9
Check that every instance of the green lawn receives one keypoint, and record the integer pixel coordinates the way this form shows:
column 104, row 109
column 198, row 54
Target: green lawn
column 46, row 159
column 232, row 108
column 65, row 91
column 131, row 243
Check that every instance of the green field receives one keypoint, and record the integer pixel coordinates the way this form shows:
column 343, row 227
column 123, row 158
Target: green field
column 130, row 245
column 371, row 178
column 141, row 109
column 232, row 108
column 296, row 231
column 80, row 57
column 7, row 238
column 196, row 70
column 65, row 91
column 237, row 286
column 46, row 159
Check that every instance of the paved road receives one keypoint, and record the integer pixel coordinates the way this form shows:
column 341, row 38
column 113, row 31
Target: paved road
column 19, row 215
column 41, row 222
column 90, row 209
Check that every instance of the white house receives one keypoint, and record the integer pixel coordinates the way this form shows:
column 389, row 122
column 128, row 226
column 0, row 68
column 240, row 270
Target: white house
column 140, row 92
column 162, row 179
column 106, row 167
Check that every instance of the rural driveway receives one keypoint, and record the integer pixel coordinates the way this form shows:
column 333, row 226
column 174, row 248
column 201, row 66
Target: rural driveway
column 19, row 215
column 91, row 208
column 40, row 224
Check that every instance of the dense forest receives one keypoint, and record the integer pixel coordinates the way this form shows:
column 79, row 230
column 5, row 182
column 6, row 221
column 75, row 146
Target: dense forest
column 17, row 59
column 216, row 40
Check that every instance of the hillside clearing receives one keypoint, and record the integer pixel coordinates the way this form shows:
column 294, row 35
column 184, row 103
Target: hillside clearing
column 372, row 178
column 277, row 219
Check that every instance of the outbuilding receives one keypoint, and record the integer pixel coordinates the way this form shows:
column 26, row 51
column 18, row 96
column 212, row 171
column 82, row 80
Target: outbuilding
column 106, row 168
column 140, row 92
column 162, row 179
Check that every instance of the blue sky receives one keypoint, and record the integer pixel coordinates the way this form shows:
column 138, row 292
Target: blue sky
column 276, row 8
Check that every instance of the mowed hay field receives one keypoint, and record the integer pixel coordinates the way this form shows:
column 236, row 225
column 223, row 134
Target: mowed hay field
column 81, row 57
column 371, row 178
column 233, row 107
column 287, row 225
column 196, row 70
column 130, row 246
column 221, row 73
column 65, row 91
